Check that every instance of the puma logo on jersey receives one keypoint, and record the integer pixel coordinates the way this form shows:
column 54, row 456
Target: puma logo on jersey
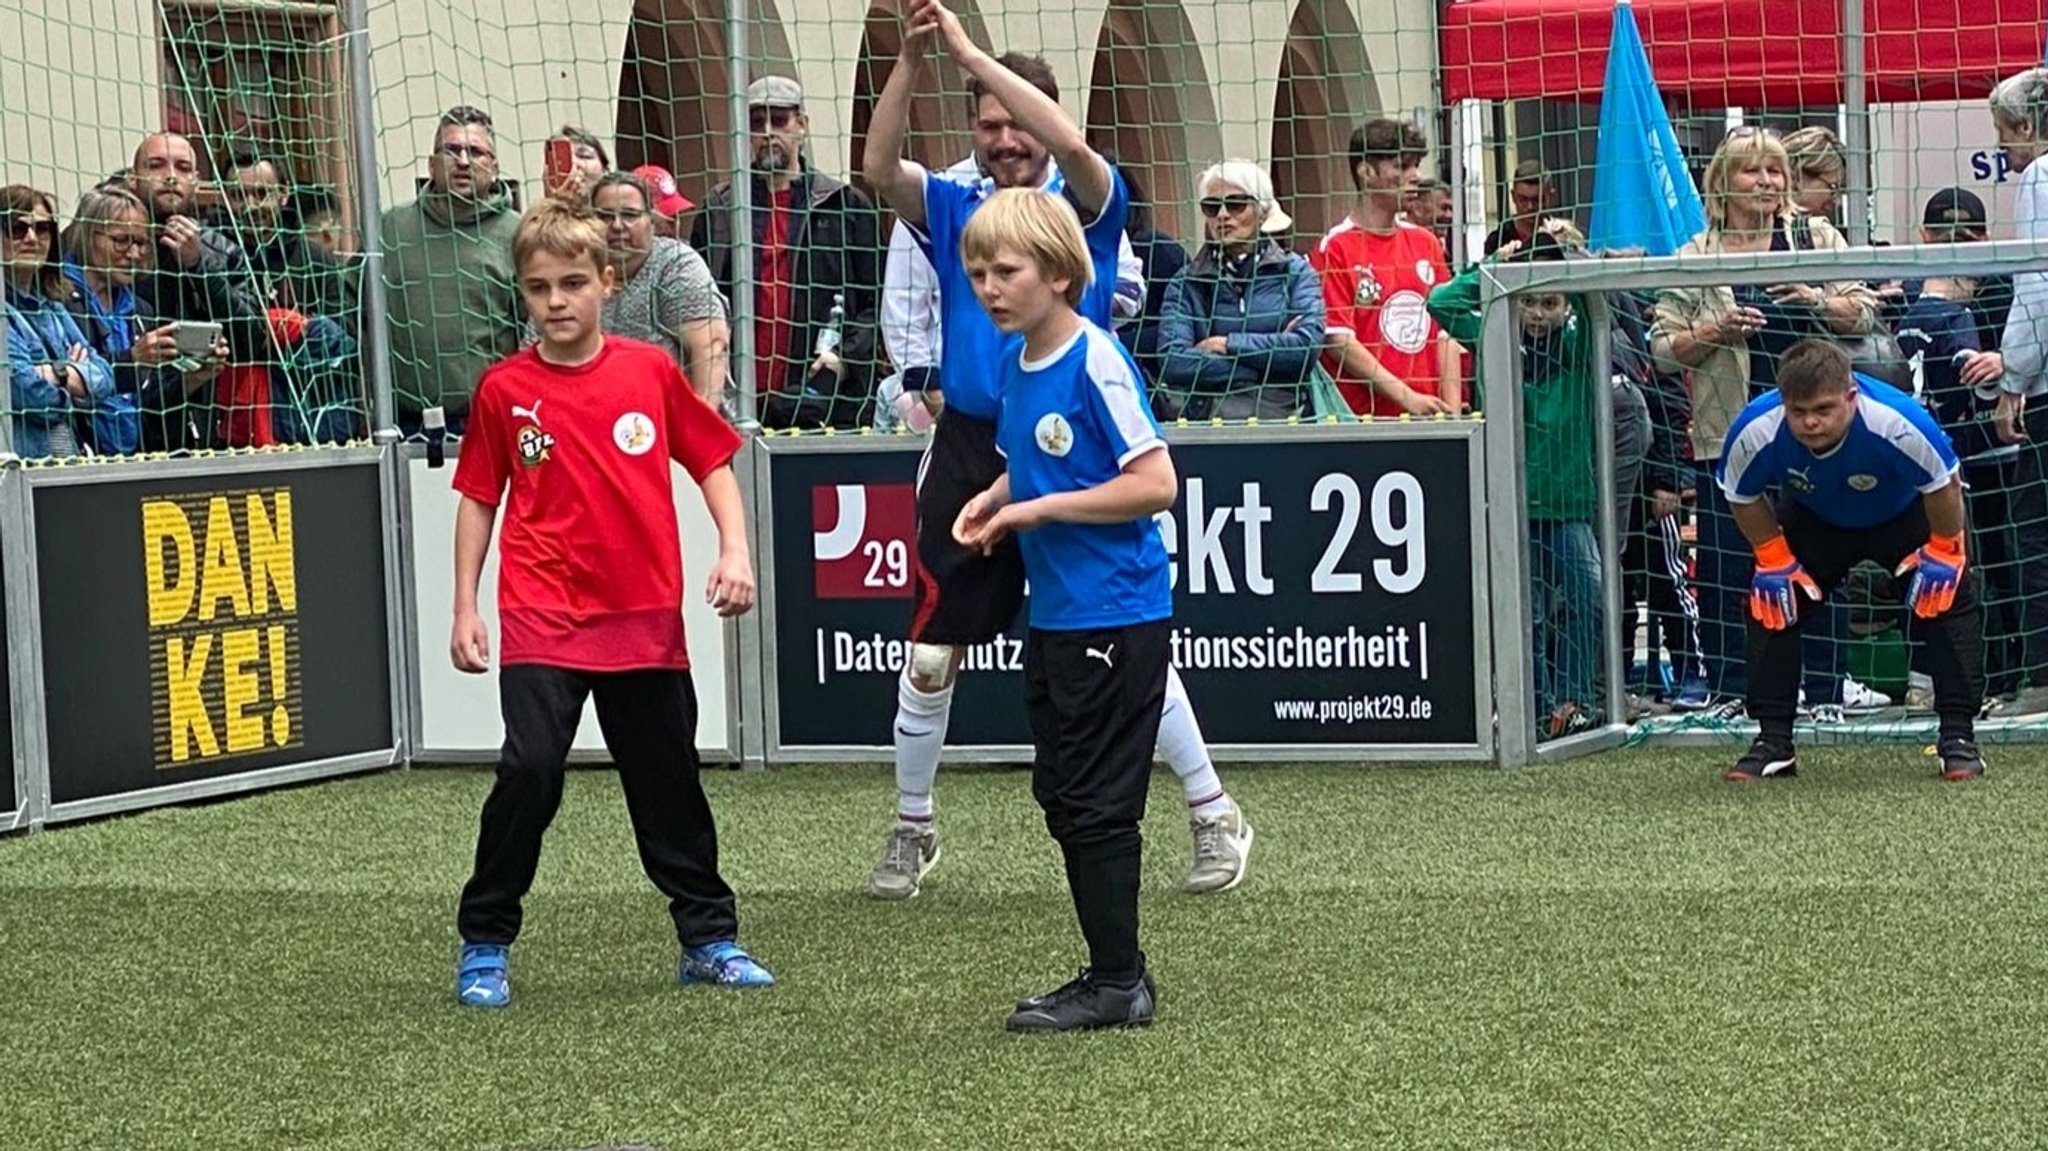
column 532, row 413
column 1101, row 653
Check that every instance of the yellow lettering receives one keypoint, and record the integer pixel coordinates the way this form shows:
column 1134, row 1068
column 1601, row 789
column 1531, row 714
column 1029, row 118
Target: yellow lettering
column 186, row 708
column 222, row 579
column 270, row 553
column 241, row 687
column 170, row 595
column 280, row 716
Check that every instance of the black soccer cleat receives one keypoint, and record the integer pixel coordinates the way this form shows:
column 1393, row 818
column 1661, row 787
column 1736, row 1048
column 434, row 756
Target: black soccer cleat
column 1960, row 759
column 1767, row 758
column 1086, row 1005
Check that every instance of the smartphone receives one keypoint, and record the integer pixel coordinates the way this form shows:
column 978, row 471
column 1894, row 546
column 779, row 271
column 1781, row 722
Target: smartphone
column 195, row 338
column 559, row 162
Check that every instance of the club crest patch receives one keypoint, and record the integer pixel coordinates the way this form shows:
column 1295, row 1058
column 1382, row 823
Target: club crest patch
column 1054, row 435
column 634, row 433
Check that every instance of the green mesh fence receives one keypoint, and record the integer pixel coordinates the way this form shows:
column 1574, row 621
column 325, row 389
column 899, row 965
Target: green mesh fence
column 179, row 214
column 466, row 97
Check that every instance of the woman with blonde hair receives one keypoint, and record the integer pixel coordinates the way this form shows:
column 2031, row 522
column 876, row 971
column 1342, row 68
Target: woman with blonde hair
column 1727, row 340
column 1818, row 167
column 106, row 250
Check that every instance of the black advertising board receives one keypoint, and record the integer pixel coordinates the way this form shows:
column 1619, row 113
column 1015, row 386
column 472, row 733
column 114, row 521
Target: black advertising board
column 204, row 625
column 1323, row 595
column 10, row 796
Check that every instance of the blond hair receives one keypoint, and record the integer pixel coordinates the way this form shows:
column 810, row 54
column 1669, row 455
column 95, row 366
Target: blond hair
column 1739, row 148
column 1034, row 224
column 1816, row 154
column 567, row 231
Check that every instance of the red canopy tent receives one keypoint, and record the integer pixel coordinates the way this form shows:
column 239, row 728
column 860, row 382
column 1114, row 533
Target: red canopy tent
column 1740, row 53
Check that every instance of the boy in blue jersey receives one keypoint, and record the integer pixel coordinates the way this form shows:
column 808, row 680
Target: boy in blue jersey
column 1085, row 472
column 1862, row 472
column 961, row 598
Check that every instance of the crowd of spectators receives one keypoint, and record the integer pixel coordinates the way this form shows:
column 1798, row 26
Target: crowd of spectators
column 159, row 319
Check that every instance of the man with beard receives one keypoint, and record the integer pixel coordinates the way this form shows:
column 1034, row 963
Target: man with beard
column 201, row 275
column 964, row 597
column 290, row 271
column 816, row 249
column 451, row 289
column 315, row 390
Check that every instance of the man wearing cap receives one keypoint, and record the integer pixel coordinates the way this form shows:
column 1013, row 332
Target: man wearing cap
column 1956, row 216
column 669, row 203
column 817, row 269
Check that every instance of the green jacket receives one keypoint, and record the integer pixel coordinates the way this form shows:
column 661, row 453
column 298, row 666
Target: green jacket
column 1558, row 395
column 453, row 294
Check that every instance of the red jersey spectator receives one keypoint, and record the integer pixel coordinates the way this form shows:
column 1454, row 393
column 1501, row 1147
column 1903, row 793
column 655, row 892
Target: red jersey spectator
column 1387, row 354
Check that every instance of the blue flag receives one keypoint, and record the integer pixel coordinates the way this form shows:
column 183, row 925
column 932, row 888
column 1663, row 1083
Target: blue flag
column 1643, row 196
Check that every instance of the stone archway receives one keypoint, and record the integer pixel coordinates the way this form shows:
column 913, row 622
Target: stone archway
column 1326, row 89
column 674, row 104
column 1149, row 103
column 941, row 123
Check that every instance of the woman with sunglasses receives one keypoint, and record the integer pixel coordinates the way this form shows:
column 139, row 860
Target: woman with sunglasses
column 51, row 369
column 1243, row 322
column 106, row 249
column 1728, row 340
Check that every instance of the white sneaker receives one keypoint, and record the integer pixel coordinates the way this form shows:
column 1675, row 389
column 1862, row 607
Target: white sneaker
column 1222, row 847
column 1858, row 697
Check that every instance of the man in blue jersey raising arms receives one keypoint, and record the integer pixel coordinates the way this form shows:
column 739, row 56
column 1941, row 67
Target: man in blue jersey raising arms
column 1862, row 472
column 962, row 597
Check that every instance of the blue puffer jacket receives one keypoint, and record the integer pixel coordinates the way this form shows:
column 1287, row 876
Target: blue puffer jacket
column 40, row 333
column 1270, row 312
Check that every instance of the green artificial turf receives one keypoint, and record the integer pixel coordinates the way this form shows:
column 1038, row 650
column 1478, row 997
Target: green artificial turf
column 1618, row 953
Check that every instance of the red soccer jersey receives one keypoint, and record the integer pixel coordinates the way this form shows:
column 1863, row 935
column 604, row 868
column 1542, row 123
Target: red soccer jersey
column 1376, row 286
column 590, row 573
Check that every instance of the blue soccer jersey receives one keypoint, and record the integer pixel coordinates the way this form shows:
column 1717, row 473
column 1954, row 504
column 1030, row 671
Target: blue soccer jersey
column 1894, row 454
column 970, row 342
column 1070, row 422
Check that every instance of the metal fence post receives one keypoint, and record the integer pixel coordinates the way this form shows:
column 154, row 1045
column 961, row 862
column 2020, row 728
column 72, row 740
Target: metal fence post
column 742, row 218
column 376, row 359
column 1507, row 530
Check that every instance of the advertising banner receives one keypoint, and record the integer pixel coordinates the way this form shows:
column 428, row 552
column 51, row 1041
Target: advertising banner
column 197, row 626
column 1325, row 594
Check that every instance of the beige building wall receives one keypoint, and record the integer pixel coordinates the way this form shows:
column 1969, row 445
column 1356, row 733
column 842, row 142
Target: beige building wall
column 79, row 78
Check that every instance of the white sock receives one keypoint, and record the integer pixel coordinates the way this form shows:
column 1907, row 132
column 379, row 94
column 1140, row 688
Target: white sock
column 1182, row 747
column 920, row 736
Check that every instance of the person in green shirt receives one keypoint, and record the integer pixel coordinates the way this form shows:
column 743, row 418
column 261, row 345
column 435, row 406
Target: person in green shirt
column 1560, row 384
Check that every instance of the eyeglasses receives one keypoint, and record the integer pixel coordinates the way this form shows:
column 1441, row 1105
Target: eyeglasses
column 760, row 118
column 122, row 242
column 22, row 229
column 474, row 155
column 1745, row 131
column 1214, row 206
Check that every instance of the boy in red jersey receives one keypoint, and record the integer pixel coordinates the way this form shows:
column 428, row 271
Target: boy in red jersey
column 575, row 435
column 1387, row 355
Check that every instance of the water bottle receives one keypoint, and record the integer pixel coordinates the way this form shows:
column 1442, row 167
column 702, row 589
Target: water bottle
column 828, row 337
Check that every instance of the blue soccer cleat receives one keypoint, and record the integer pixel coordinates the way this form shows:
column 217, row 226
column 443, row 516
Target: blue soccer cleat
column 724, row 964
column 481, row 975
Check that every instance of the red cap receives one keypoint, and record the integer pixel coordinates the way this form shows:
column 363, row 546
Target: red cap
column 667, row 200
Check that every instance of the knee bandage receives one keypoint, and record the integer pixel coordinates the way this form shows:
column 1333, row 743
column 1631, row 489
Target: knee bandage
column 931, row 662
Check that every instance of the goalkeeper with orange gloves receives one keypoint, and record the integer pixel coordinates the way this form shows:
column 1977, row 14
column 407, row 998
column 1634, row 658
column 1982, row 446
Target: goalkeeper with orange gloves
column 1861, row 472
